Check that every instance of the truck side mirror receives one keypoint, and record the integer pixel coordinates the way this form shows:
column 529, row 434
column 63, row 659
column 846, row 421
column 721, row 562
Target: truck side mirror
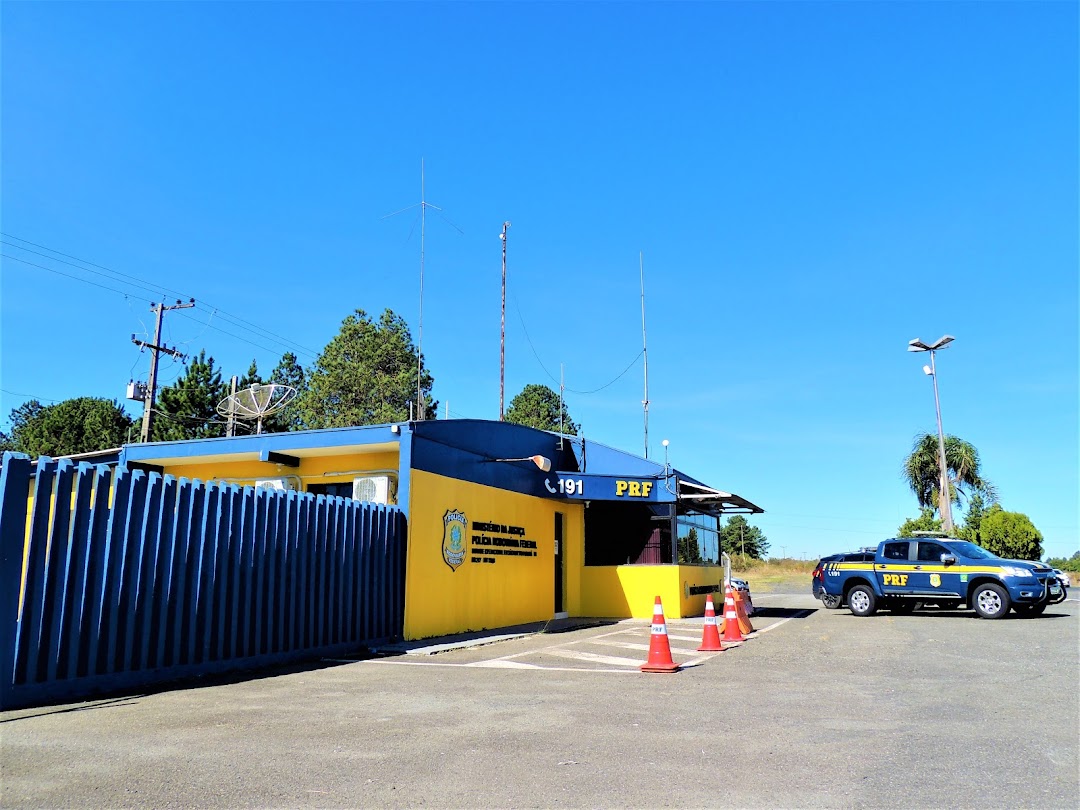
column 948, row 559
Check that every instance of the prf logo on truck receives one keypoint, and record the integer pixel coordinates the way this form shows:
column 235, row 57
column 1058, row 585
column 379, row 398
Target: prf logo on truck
column 945, row 573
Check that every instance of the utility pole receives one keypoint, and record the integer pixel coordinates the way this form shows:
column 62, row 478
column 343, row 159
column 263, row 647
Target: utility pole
column 156, row 348
column 502, row 327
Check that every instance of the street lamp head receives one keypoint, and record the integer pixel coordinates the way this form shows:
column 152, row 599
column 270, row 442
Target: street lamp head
column 917, row 345
column 543, row 463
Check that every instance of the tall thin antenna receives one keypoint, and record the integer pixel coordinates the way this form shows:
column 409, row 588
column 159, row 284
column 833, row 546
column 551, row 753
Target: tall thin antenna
column 424, row 206
column 420, row 330
column 502, row 325
column 644, row 349
column 562, row 407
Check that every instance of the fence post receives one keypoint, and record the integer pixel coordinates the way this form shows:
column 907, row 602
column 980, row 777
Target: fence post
column 14, row 489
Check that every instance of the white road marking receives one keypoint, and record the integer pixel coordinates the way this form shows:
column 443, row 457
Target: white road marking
column 801, row 614
column 496, row 664
column 625, row 665
column 626, row 645
column 593, row 658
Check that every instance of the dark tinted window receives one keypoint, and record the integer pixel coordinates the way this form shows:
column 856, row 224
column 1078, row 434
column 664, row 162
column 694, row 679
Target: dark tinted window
column 860, row 556
column 896, row 551
column 931, row 552
column 342, row 490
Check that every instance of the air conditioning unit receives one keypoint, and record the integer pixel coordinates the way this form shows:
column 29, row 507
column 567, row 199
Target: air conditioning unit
column 279, row 484
column 374, row 489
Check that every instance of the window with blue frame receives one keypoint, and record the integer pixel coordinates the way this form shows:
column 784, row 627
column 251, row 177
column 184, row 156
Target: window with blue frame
column 699, row 538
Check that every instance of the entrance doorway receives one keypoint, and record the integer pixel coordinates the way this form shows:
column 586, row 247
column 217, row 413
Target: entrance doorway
column 560, row 609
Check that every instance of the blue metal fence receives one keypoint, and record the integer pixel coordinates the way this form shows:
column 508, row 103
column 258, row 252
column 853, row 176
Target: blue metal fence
column 115, row 578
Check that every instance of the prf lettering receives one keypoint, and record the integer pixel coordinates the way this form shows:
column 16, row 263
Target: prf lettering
column 633, row 489
column 895, row 579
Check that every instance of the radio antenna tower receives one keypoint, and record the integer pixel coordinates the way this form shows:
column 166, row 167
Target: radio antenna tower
column 644, row 349
column 424, row 206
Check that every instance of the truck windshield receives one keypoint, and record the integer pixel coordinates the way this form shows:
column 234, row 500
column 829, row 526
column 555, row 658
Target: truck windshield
column 971, row 550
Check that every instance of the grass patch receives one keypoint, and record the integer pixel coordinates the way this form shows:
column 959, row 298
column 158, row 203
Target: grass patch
column 763, row 575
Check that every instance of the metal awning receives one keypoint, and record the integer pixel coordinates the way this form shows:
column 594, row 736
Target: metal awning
column 707, row 499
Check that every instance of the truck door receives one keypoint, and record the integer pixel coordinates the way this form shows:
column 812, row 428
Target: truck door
column 895, row 569
column 931, row 577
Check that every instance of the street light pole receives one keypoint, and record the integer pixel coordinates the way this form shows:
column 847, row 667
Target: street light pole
column 944, row 499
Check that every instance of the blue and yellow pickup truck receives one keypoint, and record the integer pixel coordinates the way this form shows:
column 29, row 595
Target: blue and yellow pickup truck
column 906, row 572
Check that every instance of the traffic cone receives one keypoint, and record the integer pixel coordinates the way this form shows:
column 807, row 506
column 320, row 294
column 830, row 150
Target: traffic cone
column 710, row 636
column 740, row 609
column 732, row 631
column 659, row 648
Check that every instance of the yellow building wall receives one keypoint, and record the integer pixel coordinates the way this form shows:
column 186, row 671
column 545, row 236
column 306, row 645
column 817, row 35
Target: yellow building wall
column 630, row 591
column 477, row 595
column 312, row 470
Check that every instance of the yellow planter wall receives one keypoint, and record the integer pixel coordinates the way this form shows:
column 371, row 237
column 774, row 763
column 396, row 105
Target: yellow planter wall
column 512, row 589
column 630, row 591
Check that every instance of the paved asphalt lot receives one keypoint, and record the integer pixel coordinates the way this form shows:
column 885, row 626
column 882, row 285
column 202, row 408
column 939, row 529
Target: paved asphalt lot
column 820, row 710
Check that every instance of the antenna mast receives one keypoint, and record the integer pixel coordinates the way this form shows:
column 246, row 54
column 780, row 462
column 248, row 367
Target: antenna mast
column 502, row 326
column 562, row 406
column 420, row 331
column 644, row 350
column 424, row 206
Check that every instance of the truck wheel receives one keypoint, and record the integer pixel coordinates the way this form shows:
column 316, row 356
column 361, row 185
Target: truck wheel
column 830, row 601
column 861, row 601
column 1028, row 611
column 990, row 601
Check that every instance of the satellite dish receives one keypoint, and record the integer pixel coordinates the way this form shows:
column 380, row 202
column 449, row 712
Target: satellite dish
column 256, row 402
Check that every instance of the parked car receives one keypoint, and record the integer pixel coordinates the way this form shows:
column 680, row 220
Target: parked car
column 1063, row 578
column 945, row 571
column 743, row 587
column 817, row 577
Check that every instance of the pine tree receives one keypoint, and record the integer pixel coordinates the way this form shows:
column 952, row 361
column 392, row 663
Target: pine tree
column 289, row 373
column 539, row 407
column 187, row 409
column 366, row 375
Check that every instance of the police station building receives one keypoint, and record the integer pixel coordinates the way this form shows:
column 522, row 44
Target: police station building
column 506, row 524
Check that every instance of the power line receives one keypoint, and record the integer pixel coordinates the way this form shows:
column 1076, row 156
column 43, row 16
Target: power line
column 552, row 378
column 31, row 396
column 126, row 294
column 68, row 275
column 116, row 275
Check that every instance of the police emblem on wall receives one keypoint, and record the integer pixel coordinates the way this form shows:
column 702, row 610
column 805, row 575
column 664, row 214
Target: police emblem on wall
column 455, row 525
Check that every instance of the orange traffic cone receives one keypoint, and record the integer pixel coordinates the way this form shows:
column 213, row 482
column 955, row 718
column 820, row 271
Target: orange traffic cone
column 732, row 631
column 710, row 636
column 740, row 609
column 659, row 648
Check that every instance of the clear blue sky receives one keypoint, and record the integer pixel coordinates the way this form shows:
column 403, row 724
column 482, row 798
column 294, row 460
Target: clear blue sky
column 812, row 186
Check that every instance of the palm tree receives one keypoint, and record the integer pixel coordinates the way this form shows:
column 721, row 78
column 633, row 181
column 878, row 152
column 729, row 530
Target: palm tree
column 922, row 471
